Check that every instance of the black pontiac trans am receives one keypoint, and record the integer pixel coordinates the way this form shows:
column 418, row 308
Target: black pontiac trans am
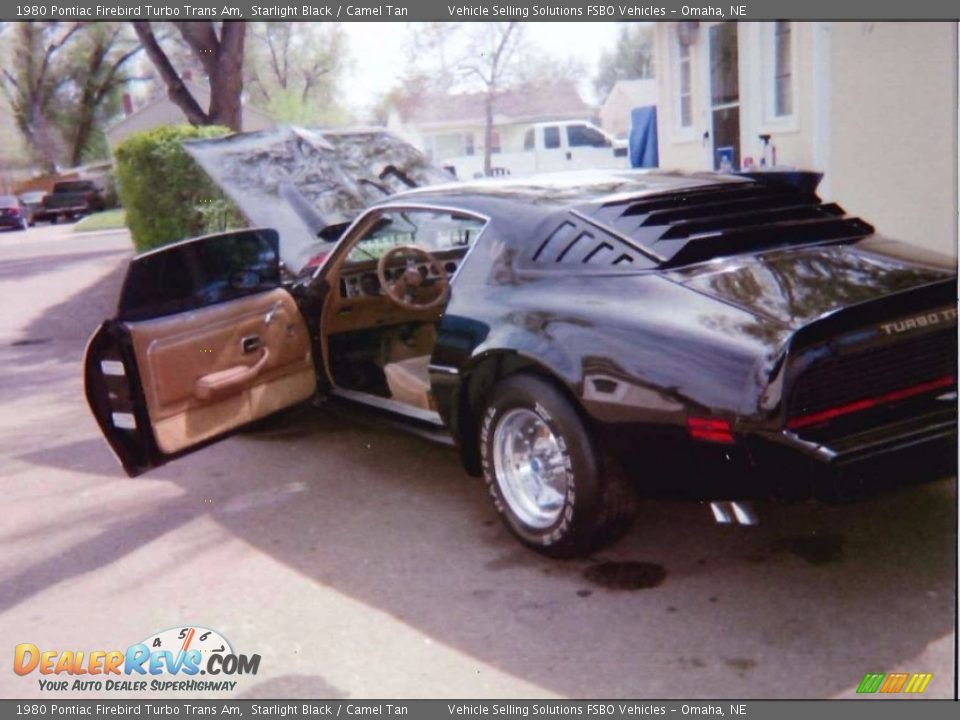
column 584, row 339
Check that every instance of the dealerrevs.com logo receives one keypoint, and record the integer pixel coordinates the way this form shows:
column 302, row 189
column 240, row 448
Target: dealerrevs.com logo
column 168, row 661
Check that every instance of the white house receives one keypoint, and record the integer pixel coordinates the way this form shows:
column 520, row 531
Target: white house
column 623, row 97
column 872, row 105
column 447, row 126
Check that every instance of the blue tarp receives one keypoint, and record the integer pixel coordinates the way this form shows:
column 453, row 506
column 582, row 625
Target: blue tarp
column 642, row 142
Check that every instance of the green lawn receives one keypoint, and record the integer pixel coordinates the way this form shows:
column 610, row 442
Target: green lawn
column 106, row 220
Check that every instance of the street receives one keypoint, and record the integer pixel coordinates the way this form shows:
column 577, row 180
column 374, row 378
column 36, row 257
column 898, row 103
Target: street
column 359, row 561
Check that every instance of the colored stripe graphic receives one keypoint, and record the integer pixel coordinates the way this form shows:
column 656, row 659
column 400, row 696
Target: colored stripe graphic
column 918, row 682
column 870, row 683
column 894, row 682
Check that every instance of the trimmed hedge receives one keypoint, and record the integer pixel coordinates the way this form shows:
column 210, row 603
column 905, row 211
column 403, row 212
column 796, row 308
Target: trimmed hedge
column 167, row 196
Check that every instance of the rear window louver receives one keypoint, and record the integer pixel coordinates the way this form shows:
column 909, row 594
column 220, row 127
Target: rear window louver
column 572, row 246
column 698, row 224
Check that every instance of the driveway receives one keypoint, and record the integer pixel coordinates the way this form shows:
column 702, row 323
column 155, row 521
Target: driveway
column 359, row 561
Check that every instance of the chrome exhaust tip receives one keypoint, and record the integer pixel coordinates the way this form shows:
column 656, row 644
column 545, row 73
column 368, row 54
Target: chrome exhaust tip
column 730, row 513
column 721, row 512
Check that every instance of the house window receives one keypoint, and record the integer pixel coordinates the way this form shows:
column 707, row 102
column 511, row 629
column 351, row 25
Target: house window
column 783, row 69
column 684, row 84
column 494, row 141
column 449, row 145
column 551, row 137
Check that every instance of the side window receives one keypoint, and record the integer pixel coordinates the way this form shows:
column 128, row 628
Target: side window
column 585, row 136
column 445, row 233
column 198, row 273
column 528, row 143
column 683, row 83
column 783, row 70
column 551, row 137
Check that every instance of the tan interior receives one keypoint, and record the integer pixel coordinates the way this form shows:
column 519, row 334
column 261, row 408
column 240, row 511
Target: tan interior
column 210, row 370
column 406, row 369
column 409, row 381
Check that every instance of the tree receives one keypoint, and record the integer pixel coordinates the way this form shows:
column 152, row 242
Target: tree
column 490, row 58
column 293, row 70
column 536, row 69
column 61, row 81
column 95, row 70
column 632, row 57
column 430, row 67
column 220, row 56
column 31, row 83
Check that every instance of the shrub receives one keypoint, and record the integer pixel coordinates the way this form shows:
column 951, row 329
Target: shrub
column 167, row 196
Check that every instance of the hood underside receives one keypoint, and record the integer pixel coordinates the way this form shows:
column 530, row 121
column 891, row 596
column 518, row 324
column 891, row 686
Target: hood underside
column 305, row 182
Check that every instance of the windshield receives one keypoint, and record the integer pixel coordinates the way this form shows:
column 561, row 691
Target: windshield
column 437, row 232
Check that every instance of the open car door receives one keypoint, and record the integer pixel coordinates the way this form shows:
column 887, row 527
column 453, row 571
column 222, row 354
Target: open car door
column 205, row 341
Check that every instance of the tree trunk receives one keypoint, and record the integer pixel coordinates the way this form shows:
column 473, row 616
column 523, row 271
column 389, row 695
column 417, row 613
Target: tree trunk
column 488, row 133
column 226, row 83
column 178, row 93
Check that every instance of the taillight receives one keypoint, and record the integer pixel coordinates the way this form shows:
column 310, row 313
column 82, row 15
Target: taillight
column 710, row 429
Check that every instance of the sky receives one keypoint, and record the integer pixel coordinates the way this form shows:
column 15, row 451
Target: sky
column 377, row 51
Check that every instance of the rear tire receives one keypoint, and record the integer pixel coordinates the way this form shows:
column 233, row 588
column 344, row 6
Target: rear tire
column 543, row 472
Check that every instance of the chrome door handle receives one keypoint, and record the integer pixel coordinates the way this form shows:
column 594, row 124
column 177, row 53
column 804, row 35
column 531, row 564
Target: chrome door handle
column 271, row 314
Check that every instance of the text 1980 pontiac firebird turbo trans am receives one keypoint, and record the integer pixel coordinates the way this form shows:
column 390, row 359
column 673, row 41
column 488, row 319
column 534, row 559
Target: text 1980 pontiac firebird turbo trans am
column 584, row 339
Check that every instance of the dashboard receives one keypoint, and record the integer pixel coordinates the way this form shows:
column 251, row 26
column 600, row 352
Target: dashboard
column 363, row 282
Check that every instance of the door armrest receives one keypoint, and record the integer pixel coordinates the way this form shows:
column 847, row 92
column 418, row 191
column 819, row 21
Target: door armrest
column 229, row 381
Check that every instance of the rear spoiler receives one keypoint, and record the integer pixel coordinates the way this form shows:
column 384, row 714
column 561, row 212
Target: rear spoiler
column 935, row 296
column 804, row 180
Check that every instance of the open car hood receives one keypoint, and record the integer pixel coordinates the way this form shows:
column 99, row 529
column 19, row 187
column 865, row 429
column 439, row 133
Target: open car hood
column 307, row 184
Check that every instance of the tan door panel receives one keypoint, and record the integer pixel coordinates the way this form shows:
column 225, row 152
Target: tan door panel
column 207, row 371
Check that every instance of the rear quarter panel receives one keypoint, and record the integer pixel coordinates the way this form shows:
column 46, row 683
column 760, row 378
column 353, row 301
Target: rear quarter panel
column 631, row 348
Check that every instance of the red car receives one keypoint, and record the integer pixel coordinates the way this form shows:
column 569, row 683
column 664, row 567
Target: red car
column 11, row 214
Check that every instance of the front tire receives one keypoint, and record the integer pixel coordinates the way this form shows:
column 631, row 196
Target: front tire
column 542, row 470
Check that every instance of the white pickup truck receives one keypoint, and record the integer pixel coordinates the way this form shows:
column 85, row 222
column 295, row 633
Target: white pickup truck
column 549, row 147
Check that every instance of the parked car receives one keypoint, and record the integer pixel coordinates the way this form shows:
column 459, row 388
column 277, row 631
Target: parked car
column 584, row 340
column 12, row 215
column 69, row 200
column 31, row 202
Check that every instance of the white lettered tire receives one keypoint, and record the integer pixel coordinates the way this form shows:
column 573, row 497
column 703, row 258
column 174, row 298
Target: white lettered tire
column 544, row 474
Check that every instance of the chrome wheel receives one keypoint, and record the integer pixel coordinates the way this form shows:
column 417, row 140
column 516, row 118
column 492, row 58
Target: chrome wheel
column 530, row 468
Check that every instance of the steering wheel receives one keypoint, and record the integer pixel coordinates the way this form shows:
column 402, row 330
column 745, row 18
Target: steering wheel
column 403, row 289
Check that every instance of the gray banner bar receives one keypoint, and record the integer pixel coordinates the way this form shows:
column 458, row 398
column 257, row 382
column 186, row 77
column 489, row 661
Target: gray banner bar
column 479, row 10
column 462, row 709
